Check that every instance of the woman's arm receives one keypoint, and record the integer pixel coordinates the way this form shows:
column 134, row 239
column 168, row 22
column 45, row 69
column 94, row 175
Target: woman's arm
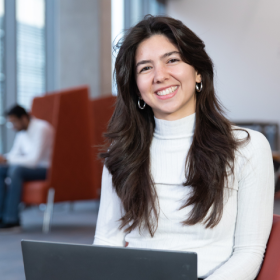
column 254, row 212
column 110, row 211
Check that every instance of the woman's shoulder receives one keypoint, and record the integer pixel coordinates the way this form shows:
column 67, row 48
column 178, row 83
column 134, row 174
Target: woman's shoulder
column 252, row 139
column 254, row 152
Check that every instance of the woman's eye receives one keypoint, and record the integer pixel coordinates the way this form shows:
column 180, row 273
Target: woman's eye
column 145, row 69
column 172, row 60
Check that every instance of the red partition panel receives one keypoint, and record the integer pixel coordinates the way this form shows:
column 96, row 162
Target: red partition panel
column 102, row 109
column 71, row 173
column 45, row 107
column 72, row 169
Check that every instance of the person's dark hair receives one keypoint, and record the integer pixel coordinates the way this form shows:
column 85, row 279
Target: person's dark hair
column 130, row 132
column 17, row 111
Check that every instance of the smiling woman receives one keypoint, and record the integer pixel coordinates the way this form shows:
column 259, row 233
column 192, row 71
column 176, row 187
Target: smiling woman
column 178, row 175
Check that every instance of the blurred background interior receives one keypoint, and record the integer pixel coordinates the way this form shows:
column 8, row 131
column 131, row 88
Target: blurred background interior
column 56, row 60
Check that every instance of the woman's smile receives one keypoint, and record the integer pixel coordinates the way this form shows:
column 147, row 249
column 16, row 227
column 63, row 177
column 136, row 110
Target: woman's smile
column 167, row 93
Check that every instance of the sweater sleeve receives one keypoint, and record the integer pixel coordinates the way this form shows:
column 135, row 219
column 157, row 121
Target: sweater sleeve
column 254, row 212
column 110, row 212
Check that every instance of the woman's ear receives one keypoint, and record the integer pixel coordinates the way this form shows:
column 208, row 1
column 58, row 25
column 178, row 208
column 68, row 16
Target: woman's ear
column 198, row 78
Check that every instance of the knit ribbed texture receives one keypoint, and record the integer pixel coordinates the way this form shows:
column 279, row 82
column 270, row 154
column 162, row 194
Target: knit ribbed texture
column 231, row 250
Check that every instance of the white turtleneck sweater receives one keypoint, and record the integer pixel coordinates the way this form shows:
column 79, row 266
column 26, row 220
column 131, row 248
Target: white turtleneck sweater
column 232, row 250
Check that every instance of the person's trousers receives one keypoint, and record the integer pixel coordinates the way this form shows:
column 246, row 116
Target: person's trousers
column 12, row 178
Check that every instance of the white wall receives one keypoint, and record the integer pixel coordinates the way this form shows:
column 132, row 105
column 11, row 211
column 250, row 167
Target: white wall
column 243, row 39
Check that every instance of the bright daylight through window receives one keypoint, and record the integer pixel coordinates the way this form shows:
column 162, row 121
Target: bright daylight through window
column 2, row 76
column 31, row 81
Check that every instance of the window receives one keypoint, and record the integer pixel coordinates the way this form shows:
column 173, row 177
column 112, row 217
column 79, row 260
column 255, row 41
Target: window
column 27, row 37
column 136, row 10
column 2, row 77
column 31, row 82
column 117, row 27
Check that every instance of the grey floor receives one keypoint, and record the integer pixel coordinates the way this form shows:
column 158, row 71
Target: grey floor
column 72, row 223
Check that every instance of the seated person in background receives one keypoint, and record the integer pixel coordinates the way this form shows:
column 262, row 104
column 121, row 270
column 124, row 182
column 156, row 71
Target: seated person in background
column 28, row 160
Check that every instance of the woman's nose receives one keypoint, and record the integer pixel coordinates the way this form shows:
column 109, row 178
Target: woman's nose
column 161, row 74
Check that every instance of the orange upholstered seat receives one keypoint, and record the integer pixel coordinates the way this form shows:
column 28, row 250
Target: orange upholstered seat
column 270, row 269
column 35, row 192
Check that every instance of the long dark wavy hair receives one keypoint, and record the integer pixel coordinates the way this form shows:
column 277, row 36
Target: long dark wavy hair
column 130, row 133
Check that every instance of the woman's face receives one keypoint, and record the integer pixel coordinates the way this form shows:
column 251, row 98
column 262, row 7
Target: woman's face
column 166, row 83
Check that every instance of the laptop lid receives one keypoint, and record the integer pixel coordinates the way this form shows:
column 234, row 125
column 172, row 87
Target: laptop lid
column 59, row 261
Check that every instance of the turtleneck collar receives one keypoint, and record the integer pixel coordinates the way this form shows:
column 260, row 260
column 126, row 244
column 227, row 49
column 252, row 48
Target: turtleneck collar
column 182, row 128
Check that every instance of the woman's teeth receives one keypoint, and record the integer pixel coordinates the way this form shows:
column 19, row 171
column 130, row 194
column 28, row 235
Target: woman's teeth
column 167, row 91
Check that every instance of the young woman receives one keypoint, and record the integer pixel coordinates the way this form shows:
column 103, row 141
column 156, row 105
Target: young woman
column 177, row 174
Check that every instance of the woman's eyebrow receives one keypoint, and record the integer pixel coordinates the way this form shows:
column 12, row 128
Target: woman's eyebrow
column 168, row 54
column 143, row 62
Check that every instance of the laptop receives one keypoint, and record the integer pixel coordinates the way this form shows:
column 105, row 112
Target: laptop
column 61, row 261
